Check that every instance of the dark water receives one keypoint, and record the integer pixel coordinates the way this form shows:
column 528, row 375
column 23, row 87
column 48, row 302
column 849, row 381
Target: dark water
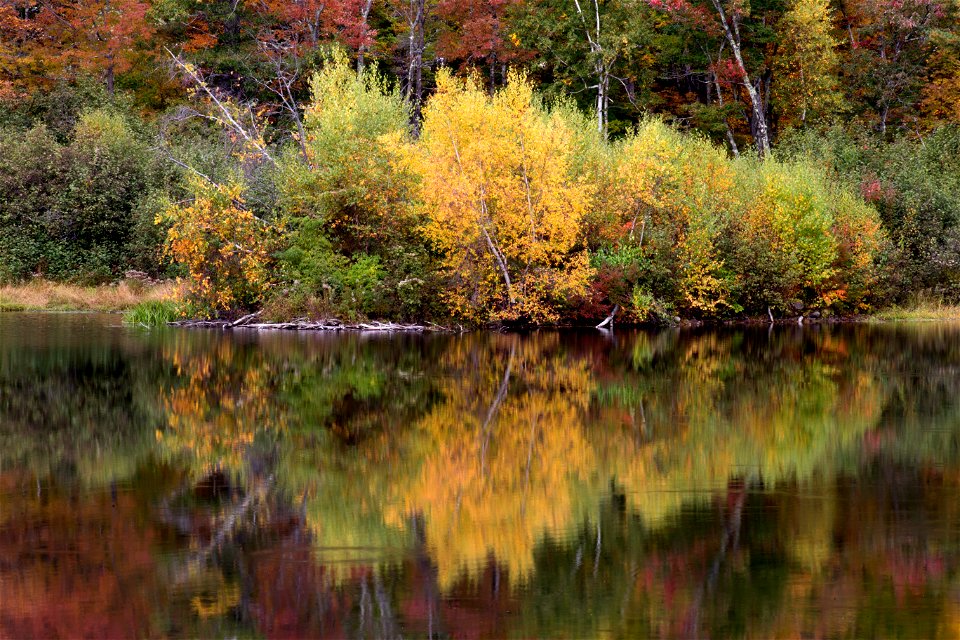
column 738, row 483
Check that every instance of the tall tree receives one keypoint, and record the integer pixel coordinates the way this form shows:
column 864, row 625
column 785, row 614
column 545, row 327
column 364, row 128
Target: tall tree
column 501, row 200
column 102, row 35
column 56, row 39
column 807, row 84
column 477, row 33
column 414, row 13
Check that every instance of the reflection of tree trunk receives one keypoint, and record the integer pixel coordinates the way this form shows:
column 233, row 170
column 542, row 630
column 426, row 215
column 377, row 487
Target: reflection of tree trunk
column 596, row 556
column 534, row 423
column 730, row 538
column 366, row 621
column 220, row 534
column 495, row 406
column 388, row 623
column 428, row 572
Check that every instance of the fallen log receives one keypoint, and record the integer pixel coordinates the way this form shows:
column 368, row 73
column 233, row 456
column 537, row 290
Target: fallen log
column 247, row 323
column 245, row 319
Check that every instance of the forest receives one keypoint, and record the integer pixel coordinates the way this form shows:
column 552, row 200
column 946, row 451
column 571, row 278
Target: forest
column 486, row 161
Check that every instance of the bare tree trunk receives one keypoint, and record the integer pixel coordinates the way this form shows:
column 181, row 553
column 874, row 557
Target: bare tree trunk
column 109, row 75
column 609, row 318
column 603, row 97
column 416, row 19
column 109, row 72
column 734, row 149
column 286, row 75
column 761, row 132
column 498, row 256
column 362, row 49
column 226, row 118
column 601, row 66
column 493, row 51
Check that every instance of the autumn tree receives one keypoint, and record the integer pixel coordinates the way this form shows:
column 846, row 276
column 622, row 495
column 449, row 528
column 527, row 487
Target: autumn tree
column 310, row 23
column 223, row 246
column 352, row 232
column 941, row 94
column 743, row 30
column 413, row 42
column 58, row 38
column 800, row 238
column 479, row 33
column 807, row 65
column 674, row 194
column 501, row 201
column 305, row 22
column 105, row 33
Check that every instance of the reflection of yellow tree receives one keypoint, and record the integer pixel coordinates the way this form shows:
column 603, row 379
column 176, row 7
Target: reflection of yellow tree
column 526, row 435
column 892, row 563
column 223, row 397
column 500, row 455
column 527, row 439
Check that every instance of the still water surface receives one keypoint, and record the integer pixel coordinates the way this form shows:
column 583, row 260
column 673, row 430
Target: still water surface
column 798, row 482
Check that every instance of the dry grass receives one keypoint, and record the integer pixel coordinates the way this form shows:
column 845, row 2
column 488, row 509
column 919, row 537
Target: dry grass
column 42, row 295
column 922, row 308
column 920, row 314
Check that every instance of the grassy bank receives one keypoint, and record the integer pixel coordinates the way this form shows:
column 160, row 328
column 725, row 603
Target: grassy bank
column 922, row 312
column 42, row 295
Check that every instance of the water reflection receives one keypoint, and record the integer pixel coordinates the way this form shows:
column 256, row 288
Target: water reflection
column 737, row 483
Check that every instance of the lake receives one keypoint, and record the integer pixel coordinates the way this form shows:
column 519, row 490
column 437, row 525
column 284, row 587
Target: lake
column 759, row 482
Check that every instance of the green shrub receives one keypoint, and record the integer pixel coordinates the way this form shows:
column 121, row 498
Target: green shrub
column 77, row 211
column 915, row 187
column 353, row 246
column 152, row 313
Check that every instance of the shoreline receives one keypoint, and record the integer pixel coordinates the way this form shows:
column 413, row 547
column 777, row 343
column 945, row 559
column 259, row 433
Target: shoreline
column 248, row 322
column 51, row 297
column 331, row 325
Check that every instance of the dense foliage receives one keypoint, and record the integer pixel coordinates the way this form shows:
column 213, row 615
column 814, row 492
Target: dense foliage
column 80, row 209
column 488, row 161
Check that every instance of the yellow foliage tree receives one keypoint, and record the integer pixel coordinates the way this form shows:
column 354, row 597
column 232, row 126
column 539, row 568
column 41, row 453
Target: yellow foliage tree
column 501, row 201
column 807, row 64
column 223, row 246
column 671, row 192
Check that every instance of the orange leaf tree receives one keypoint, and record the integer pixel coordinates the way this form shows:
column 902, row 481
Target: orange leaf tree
column 223, row 246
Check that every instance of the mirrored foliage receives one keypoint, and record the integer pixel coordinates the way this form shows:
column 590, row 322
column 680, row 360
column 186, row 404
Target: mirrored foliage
column 743, row 482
